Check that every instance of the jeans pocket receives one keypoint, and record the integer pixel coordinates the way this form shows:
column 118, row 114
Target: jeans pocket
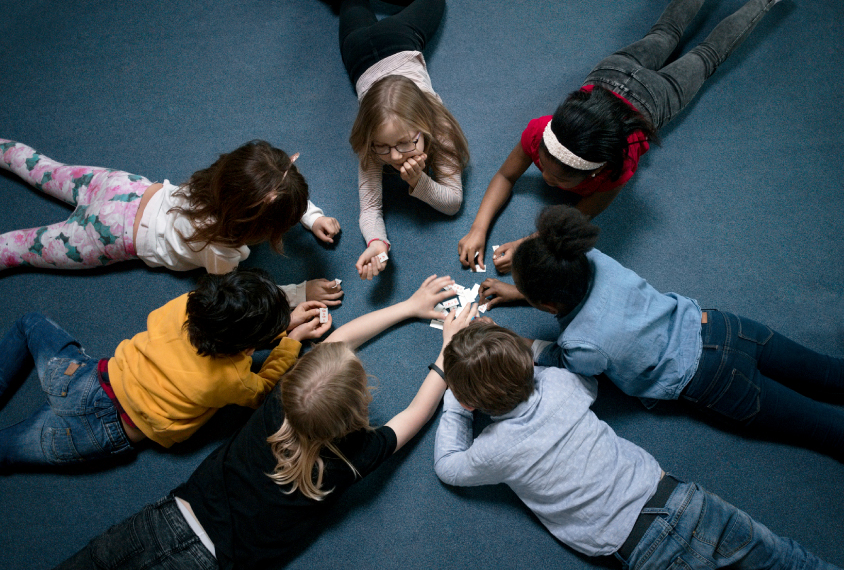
column 679, row 564
column 58, row 375
column 57, row 445
column 753, row 331
column 739, row 398
column 723, row 528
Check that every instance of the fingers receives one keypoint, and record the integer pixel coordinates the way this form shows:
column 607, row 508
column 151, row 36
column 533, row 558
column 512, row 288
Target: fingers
column 372, row 269
column 465, row 250
column 428, row 280
column 504, row 261
column 322, row 328
column 439, row 282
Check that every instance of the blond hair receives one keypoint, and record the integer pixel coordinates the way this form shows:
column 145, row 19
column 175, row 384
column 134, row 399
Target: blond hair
column 325, row 398
column 397, row 98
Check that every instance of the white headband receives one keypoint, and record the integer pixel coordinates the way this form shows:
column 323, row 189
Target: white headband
column 564, row 155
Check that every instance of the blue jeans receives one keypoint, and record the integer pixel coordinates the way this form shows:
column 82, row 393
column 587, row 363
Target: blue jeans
column 156, row 537
column 365, row 40
column 636, row 72
column 697, row 529
column 79, row 422
column 768, row 383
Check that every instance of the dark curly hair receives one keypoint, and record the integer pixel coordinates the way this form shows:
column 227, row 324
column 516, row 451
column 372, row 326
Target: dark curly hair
column 595, row 125
column 552, row 266
column 230, row 313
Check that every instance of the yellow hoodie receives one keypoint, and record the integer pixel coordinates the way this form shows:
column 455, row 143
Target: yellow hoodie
column 169, row 391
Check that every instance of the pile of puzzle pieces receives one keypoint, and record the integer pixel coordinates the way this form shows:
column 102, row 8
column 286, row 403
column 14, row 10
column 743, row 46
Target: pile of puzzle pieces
column 465, row 297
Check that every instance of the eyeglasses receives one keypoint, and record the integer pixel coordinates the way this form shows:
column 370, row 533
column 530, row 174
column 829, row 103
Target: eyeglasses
column 402, row 147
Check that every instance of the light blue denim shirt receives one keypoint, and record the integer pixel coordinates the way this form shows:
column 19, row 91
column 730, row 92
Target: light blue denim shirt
column 586, row 484
column 645, row 341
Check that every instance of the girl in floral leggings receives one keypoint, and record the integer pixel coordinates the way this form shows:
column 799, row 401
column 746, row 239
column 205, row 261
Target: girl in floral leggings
column 250, row 195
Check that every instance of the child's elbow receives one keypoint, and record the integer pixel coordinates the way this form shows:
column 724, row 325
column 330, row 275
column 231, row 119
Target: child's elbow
column 452, row 206
column 445, row 472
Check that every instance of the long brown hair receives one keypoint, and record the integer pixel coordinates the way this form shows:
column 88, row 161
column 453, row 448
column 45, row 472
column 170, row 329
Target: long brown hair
column 325, row 398
column 253, row 194
column 397, row 98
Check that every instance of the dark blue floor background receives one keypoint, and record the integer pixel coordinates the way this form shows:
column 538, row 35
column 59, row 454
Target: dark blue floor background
column 741, row 208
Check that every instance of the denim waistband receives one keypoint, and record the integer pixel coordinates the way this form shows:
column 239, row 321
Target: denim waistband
column 664, row 489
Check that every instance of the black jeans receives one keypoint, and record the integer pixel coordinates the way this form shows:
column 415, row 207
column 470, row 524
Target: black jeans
column 365, row 40
column 157, row 537
column 636, row 72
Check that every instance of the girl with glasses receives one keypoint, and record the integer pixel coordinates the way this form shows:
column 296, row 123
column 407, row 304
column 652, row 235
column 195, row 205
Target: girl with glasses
column 402, row 124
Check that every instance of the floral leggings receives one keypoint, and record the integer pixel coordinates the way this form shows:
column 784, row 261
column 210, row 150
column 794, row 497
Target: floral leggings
column 100, row 229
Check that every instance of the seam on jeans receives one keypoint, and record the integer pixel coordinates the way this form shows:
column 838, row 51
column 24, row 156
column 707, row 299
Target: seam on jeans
column 48, row 442
column 736, row 375
column 136, row 544
column 668, row 526
column 716, row 545
column 721, row 364
column 740, row 333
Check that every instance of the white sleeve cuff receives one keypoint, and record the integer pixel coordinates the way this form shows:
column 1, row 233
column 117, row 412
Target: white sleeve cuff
column 311, row 214
column 295, row 293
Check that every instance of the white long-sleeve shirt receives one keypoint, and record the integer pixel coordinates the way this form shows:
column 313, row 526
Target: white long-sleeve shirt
column 160, row 242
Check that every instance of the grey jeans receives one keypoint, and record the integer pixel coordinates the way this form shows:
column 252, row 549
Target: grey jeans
column 636, row 72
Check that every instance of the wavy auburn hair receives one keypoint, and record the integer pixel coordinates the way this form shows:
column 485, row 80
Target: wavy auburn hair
column 397, row 98
column 325, row 398
column 250, row 195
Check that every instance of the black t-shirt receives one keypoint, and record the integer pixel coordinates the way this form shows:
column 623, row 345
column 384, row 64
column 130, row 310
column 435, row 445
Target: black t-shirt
column 251, row 520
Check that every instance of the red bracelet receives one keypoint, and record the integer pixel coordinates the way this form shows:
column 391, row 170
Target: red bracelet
column 378, row 239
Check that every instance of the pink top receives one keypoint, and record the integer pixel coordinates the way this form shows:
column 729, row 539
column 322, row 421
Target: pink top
column 638, row 145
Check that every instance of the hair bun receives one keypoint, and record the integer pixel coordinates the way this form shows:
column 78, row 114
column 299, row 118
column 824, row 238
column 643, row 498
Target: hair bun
column 566, row 232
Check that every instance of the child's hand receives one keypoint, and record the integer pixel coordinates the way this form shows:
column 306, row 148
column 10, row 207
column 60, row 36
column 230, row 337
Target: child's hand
column 503, row 257
column 456, row 323
column 325, row 228
column 470, row 246
column 323, row 290
column 303, row 313
column 310, row 329
column 430, row 293
column 368, row 265
column 498, row 292
column 412, row 169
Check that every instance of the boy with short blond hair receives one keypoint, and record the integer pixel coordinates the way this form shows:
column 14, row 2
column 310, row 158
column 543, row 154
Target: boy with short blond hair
column 596, row 492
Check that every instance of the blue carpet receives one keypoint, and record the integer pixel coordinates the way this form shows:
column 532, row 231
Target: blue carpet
column 741, row 208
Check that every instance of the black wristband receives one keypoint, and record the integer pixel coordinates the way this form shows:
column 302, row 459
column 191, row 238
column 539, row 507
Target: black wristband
column 437, row 369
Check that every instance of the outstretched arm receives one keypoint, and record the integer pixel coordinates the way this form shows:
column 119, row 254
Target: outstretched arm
column 497, row 193
column 407, row 423
column 420, row 304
